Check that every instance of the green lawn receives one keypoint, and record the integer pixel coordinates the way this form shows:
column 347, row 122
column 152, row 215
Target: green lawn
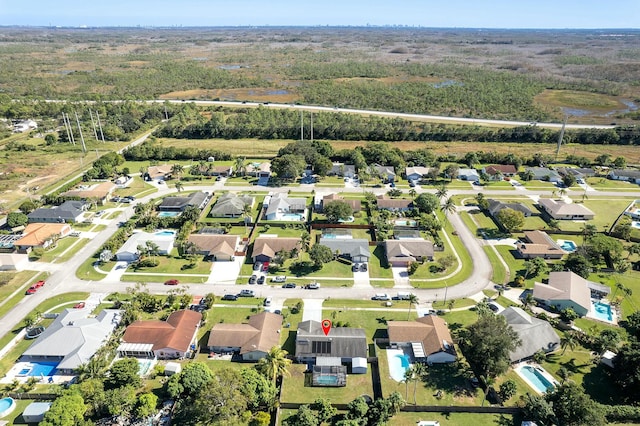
column 373, row 322
column 191, row 279
column 58, row 254
column 14, row 281
column 606, row 212
column 88, row 272
column 500, row 275
column 501, row 185
column 376, row 262
column 137, row 187
column 457, row 303
column 602, row 183
column 538, row 184
column 174, row 263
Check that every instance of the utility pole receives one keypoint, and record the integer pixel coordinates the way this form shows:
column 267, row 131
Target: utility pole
column 84, row 147
column 564, row 124
column 67, row 127
column 312, row 127
column 93, row 124
column 100, row 125
column 301, row 125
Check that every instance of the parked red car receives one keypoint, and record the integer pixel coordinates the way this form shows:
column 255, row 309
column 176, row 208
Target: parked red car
column 38, row 284
column 31, row 290
column 171, row 282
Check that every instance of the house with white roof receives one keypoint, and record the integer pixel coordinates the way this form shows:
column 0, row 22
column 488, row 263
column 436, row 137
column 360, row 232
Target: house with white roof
column 470, row 175
column 565, row 290
column 73, row 338
column 561, row 210
column 129, row 251
column 416, row 173
column 281, row 207
column 628, row 175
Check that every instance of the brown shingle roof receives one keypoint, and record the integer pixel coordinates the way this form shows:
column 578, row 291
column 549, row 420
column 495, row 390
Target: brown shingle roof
column 355, row 205
column 539, row 244
column 36, row 234
column 261, row 334
column 99, row 191
column 174, row 333
column 430, row 330
column 270, row 246
column 215, row 243
column 384, row 203
column 502, row 168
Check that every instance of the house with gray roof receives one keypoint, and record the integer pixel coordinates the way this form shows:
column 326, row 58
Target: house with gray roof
column 73, row 338
column 231, row 205
column 628, row 175
column 129, row 251
column 561, row 210
column 496, row 205
column 281, row 207
column 535, row 334
column 470, row 175
column 67, row 212
column 416, row 173
column 197, row 199
column 565, row 290
column 386, row 173
column 342, row 170
column 544, row 173
column 356, row 250
column 344, row 344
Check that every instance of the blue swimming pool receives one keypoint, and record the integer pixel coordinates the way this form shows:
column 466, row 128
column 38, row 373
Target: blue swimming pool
column 292, row 217
column 168, row 214
column 404, row 222
column 602, row 311
column 165, row 233
column 536, row 378
column 398, row 363
column 6, row 406
column 569, row 246
column 38, row 369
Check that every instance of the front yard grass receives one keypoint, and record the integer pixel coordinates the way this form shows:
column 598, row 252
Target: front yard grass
column 87, row 271
column 192, row 279
column 500, row 275
column 606, row 212
column 373, row 322
column 13, row 281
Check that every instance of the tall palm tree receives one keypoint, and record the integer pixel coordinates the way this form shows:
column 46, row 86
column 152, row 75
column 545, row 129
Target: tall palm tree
column 246, row 214
column 449, row 207
column 239, row 166
column 305, row 241
column 274, row 364
column 177, row 170
column 442, row 192
column 488, row 382
column 419, row 371
column 562, row 192
column 408, row 378
column 568, row 341
column 179, row 186
column 588, row 230
column 413, row 193
column 413, row 300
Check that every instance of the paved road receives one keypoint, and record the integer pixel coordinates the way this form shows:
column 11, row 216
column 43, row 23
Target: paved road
column 63, row 280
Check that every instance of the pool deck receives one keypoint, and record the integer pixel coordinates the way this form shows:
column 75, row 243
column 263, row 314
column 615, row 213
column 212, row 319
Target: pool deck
column 614, row 313
column 13, row 374
column 545, row 373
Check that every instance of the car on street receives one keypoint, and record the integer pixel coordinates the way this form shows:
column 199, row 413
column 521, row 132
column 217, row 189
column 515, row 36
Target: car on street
column 246, row 293
column 381, row 296
column 39, row 284
column 229, row 297
column 261, row 279
column 289, row 285
column 279, row 279
column 31, row 290
column 253, row 278
column 312, row 286
column 80, row 305
column 172, row 282
column 267, row 302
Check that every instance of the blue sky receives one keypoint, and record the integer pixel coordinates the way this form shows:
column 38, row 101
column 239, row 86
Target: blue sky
column 426, row 13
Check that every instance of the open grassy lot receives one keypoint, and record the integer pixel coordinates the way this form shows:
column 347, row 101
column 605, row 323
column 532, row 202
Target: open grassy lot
column 604, row 184
column 500, row 275
column 16, row 282
column 606, row 212
column 240, row 147
column 373, row 322
column 137, row 188
column 65, row 250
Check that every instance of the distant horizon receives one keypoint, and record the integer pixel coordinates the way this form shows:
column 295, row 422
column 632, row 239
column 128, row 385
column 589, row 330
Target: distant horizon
column 489, row 14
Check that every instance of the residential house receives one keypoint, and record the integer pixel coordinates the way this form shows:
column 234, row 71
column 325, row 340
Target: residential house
column 470, row 175
column 628, row 175
column 231, row 205
column 99, row 193
column 386, row 173
column 14, row 261
column 578, row 173
column 251, row 341
column 175, row 338
column 565, row 290
column 561, row 210
column 259, row 170
column 535, row 334
column 539, row 244
column 67, row 212
column 223, row 171
column 393, row 204
column 265, row 248
column 280, row 207
column 41, row 235
column 73, row 338
column 417, row 173
column 129, row 251
column 495, row 206
column 500, row 171
column 197, row 199
column 356, row 250
column 428, row 337
column 24, row 126
column 342, row 345
column 403, row 252
column 355, row 205
column 157, row 173
column 215, row 246
column 342, row 170
column 544, row 173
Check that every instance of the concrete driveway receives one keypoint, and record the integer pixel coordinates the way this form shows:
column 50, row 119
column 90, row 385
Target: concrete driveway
column 312, row 309
column 400, row 277
column 361, row 279
column 225, row 272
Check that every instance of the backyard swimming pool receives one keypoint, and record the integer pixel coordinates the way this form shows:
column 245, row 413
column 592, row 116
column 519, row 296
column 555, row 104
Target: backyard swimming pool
column 7, row 405
column 168, row 214
column 398, row 363
column 405, row 222
column 536, row 377
column 143, row 366
column 165, row 234
column 601, row 311
column 567, row 245
column 292, row 217
column 38, row 369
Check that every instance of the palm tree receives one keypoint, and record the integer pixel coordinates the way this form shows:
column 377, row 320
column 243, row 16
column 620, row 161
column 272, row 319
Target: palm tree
column 419, row 371
column 488, row 382
column 584, row 196
column 568, row 341
column 408, row 377
column 413, row 300
column 449, row 207
column 562, row 192
column 564, row 374
column 633, row 249
column 179, row 186
column 246, row 214
column 177, row 170
column 528, row 300
column 240, row 166
column 441, row 192
column 413, row 193
column 588, row 231
column 305, row 241
column 274, row 364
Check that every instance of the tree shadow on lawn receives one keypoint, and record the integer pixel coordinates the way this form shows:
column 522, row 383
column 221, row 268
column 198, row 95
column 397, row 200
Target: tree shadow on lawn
column 302, row 268
column 600, row 386
column 449, row 378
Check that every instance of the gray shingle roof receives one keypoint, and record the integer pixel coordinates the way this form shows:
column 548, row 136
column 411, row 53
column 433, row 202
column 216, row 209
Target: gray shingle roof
column 230, row 204
column 352, row 247
column 197, row 199
column 534, row 333
column 343, row 342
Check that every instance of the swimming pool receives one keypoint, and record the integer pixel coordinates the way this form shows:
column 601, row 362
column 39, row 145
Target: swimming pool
column 165, row 233
column 399, row 362
column 292, row 217
column 404, row 222
column 38, row 369
column 168, row 214
column 143, row 366
column 536, row 378
column 7, row 405
column 327, row 380
column 601, row 311
column 567, row 245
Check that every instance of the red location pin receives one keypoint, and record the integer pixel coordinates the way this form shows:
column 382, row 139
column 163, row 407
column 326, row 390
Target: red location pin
column 326, row 326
